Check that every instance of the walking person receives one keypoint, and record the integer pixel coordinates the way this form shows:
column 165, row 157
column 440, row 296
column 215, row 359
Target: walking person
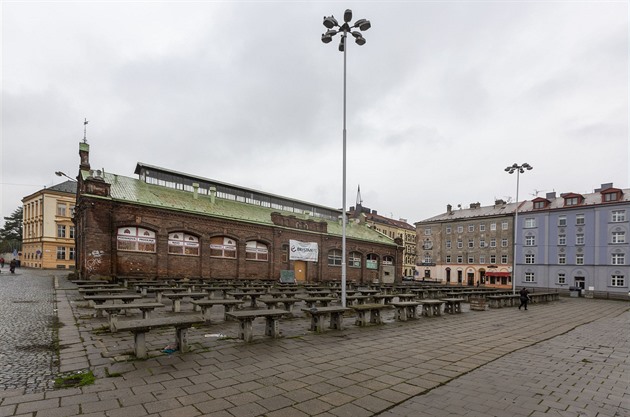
column 12, row 265
column 524, row 295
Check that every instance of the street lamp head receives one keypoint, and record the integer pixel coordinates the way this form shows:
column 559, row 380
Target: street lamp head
column 347, row 15
column 326, row 38
column 360, row 40
column 330, row 22
column 362, row 24
column 59, row 173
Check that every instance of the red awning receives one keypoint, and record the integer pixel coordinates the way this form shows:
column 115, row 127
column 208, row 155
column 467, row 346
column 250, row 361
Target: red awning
column 498, row 274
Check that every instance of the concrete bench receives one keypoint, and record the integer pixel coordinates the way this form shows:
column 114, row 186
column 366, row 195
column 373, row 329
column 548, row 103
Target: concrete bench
column 373, row 310
column 544, row 297
column 452, row 305
column 252, row 295
column 406, row 310
column 247, row 317
column 140, row 328
column 99, row 290
column 113, row 310
column 318, row 316
column 176, row 298
column 383, row 298
column 101, row 299
column 206, row 305
column 358, row 299
column 431, row 308
column 312, row 301
column 272, row 303
column 499, row 301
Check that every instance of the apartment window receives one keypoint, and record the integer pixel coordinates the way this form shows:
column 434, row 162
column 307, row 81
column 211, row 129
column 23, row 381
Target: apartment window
column 562, row 240
column 448, row 230
column 618, row 216
column 493, row 242
column 504, row 259
column 471, row 243
column 448, row 244
column 530, row 277
column 562, row 259
column 354, row 260
column 482, row 243
column 562, row 278
column 334, row 257
column 562, row 221
column 135, row 239
column 61, row 253
column 504, row 225
column 493, row 259
column 530, row 258
column 579, row 239
column 72, row 253
column 448, row 259
column 72, row 232
column 530, row 222
column 504, row 243
column 579, row 259
column 460, row 244
column 482, row 227
column 471, row 259
column 493, row 226
column 427, row 260
column 460, row 229
column 530, row 240
column 61, row 230
column 180, row 243
column 427, row 231
column 460, row 259
column 618, row 259
column 61, row 209
column 223, row 247
column 618, row 281
column 471, row 227
column 618, row 237
column 256, row 251
column 482, row 259
column 579, row 220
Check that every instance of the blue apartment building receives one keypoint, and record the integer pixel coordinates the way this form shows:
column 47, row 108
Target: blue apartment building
column 575, row 241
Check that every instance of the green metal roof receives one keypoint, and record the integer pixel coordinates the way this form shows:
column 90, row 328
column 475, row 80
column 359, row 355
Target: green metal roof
column 135, row 191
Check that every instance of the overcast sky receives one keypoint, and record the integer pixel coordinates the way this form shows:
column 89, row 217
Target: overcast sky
column 442, row 97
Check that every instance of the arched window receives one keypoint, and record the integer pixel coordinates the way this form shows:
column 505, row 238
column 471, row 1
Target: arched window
column 256, row 251
column 180, row 243
column 354, row 260
column 334, row 257
column 388, row 260
column 223, row 247
column 135, row 239
column 371, row 261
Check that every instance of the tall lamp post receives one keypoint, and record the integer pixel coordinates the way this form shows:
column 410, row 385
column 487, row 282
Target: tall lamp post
column 333, row 28
column 519, row 169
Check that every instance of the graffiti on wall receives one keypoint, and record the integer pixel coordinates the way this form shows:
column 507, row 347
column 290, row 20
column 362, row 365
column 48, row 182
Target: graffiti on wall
column 93, row 261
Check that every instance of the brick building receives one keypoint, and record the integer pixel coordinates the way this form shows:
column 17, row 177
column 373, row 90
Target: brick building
column 171, row 224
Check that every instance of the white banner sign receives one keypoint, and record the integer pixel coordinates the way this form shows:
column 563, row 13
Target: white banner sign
column 303, row 251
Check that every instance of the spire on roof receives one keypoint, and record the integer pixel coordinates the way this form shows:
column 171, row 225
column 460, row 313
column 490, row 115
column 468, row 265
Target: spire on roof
column 359, row 201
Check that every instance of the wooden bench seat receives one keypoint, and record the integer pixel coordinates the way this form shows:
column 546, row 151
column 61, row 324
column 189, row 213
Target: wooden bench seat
column 206, row 305
column 140, row 328
column 371, row 310
column 319, row 314
column 406, row 310
column 247, row 317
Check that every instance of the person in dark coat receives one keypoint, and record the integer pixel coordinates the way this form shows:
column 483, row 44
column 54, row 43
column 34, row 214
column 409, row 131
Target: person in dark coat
column 524, row 295
column 12, row 265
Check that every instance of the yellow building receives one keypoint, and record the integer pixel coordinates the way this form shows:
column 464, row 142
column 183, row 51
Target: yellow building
column 48, row 235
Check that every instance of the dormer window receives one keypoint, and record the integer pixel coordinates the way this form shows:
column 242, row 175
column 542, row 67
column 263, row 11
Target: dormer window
column 540, row 203
column 611, row 194
column 573, row 199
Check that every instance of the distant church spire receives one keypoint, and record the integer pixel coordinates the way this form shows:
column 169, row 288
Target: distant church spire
column 85, row 122
column 359, row 201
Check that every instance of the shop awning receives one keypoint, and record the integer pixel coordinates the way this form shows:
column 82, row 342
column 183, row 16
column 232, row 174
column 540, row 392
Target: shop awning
column 498, row 274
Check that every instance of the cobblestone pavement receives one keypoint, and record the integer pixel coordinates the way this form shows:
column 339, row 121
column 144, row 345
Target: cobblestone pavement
column 27, row 327
column 564, row 358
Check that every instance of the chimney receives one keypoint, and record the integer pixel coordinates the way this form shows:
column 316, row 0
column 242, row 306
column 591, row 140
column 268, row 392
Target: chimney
column 213, row 194
column 195, row 186
column 449, row 209
column 551, row 195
